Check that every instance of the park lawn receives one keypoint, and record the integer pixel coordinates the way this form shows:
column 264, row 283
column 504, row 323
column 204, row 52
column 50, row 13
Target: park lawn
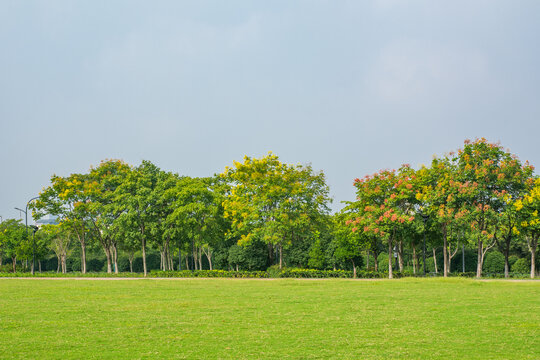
column 269, row 319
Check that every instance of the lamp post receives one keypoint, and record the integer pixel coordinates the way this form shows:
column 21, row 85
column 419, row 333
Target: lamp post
column 33, row 239
column 425, row 218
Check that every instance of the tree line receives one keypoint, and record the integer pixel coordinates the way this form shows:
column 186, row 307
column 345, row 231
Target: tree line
column 262, row 212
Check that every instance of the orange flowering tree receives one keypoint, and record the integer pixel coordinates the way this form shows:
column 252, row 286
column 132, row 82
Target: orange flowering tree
column 384, row 206
column 442, row 197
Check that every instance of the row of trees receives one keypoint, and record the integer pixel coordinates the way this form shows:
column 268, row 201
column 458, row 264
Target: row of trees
column 480, row 196
column 261, row 212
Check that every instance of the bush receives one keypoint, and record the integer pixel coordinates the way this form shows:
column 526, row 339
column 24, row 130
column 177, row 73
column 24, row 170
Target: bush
column 209, row 274
column 512, row 260
column 494, row 263
column 314, row 273
column 521, row 266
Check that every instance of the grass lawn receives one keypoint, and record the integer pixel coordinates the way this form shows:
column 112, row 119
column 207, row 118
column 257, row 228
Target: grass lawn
column 269, row 319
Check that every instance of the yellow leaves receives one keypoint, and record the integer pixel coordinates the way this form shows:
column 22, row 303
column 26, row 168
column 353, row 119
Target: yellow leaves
column 518, row 205
column 524, row 224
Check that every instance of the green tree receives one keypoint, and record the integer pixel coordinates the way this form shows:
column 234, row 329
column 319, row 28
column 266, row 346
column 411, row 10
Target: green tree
column 68, row 198
column 137, row 199
column 12, row 238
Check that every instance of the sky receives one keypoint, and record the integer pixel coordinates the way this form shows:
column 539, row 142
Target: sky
column 349, row 87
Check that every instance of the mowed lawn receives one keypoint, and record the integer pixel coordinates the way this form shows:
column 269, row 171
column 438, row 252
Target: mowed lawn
column 269, row 319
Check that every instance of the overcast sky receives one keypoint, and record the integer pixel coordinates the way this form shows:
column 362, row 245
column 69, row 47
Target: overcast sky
column 348, row 86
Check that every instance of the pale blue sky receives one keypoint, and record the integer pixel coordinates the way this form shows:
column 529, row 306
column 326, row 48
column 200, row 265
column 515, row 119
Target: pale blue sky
column 348, row 86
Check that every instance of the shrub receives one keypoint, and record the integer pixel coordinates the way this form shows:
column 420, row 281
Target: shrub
column 494, row 263
column 512, row 260
column 521, row 266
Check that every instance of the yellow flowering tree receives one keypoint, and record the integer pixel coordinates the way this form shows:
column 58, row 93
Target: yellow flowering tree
column 273, row 202
column 529, row 226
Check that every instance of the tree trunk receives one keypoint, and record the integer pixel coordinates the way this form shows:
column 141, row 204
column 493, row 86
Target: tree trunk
column 390, row 275
column 108, row 255
column 187, row 262
column 533, row 244
column 435, row 261
column 130, row 263
column 14, row 263
column 354, row 268
column 64, row 263
column 367, row 260
column 445, row 251
column 480, row 259
column 280, row 256
column 145, row 271
column 400, row 254
column 199, row 255
column 236, row 267
column 58, row 263
column 115, row 257
column 506, row 265
column 83, row 256
column 39, row 264
column 209, row 257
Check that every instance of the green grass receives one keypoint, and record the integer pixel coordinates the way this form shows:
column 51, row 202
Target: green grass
column 269, row 319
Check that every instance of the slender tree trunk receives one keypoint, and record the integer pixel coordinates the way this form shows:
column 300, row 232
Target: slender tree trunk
column 108, row 255
column 400, row 254
column 115, row 256
column 390, row 275
column 506, row 265
column 236, row 267
column 145, row 271
column 533, row 244
column 376, row 260
column 161, row 260
column 435, row 261
column 83, row 256
column 445, row 251
column 209, row 257
column 39, row 263
column 187, row 262
column 354, row 268
column 480, row 259
column 58, row 263
column 14, row 263
column 367, row 260
column 199, row 254
column 130, row 258
column 280, row 256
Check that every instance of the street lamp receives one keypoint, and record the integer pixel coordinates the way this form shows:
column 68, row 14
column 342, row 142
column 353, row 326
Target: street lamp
column 33, row 239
